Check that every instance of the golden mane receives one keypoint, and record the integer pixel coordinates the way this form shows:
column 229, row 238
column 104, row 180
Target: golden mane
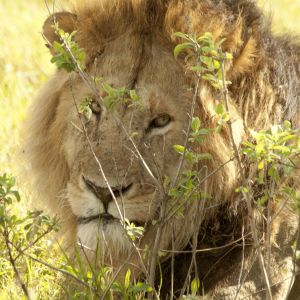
column 265, row 88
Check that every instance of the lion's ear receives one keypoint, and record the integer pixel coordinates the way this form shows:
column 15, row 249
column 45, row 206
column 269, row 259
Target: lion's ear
column 65, row 20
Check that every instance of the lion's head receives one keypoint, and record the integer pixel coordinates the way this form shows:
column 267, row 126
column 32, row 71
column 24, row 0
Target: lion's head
column 130, row 44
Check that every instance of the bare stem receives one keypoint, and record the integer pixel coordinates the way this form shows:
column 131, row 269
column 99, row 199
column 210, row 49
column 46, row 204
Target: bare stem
column 246, row 195
column 12, row 261
column 156, row 246
column 188, row 132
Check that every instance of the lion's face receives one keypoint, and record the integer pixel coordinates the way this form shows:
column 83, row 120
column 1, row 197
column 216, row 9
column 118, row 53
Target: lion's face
column 95, row 172
column 129, row 149
column 131, row 145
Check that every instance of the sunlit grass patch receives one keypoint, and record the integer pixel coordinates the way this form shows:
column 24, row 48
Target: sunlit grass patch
column 24, row 66
column 285, row 14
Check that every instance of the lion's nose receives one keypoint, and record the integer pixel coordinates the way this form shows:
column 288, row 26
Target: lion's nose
column 104, row 194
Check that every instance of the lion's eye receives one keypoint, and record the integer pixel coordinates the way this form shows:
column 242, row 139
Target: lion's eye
column 95, row 107
column 161, row 121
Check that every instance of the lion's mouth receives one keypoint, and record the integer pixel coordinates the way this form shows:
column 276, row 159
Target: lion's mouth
column 105, row 218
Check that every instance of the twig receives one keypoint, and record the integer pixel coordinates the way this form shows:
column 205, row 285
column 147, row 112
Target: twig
column 59, row 270
column 172, row 268
column 247, row 272
column 198, row 221
column 269, row 227
column 242, row 264
column 105, row 178
column 273, row 285
column 218, row 260
column 257, row 244
column 225, row 94
column 155, row 249
column 97, row 161
column 35, row 241
column 297, row 244
column 96, row 93
column 195, row 95
column 246, row 195
column 12, row 260
column 206, row 249
column 178, row 207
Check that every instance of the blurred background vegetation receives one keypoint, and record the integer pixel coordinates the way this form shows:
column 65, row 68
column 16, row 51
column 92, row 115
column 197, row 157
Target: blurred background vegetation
column 24, row 66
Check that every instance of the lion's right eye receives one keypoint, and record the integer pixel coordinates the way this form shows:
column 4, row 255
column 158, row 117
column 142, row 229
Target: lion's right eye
column 161, row 121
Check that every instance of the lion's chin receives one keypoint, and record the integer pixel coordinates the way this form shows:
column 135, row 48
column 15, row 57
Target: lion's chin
column 105, row 240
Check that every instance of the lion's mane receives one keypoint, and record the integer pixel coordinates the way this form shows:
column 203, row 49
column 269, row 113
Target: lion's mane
column 265, row 89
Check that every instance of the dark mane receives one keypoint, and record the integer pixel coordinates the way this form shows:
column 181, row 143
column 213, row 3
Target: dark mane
column 261, row 58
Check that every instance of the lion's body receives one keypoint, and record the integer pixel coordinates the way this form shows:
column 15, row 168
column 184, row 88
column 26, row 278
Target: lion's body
column 129, row 43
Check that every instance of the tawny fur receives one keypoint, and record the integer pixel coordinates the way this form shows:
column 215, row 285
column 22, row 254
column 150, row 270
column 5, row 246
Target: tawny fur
column 130, row 43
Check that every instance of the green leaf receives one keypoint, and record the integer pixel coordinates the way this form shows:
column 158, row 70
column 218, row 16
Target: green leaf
column 16, row 194
column 262, row 200
column 107, row 88
column 273, row 173
column 196, row 68
column 127, row 279
column 242, row 189
column 261, row 165
column 216, row 64
column 206, row 60
column 204, row 156
column 195, row 285
column 209, row 77
column 220, row 109
column 180, row 35
column 287, row 125
column 248, row 144
column 133, row 95
column 228, row 56
column 179, row 148
column 180, row 47
column 206, row 49
column 283, row 149
column 261, row 177
column 204, row 131
column 196, row 123
column 207, row 36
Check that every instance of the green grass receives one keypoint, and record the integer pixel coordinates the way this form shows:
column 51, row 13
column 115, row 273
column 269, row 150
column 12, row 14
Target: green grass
column 285, row 14
column 24, row 66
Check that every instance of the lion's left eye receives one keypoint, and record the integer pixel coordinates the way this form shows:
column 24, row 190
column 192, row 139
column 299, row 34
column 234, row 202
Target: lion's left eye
column 95, row 107
column 161, row 121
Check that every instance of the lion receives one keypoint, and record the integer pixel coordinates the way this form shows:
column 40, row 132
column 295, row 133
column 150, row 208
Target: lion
column 115, row 168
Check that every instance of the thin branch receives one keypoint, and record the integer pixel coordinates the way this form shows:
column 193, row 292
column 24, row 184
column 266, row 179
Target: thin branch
column 246, row 195
column 273, row 285
column 96, row 93
column 35, row 241
column 242, row 264
column 179, row 204
column 156, row 245
column 195, row 95
column 172, row 268
column 105, row 179
column 12, row 260
column 208, row 249
column 59, row 270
